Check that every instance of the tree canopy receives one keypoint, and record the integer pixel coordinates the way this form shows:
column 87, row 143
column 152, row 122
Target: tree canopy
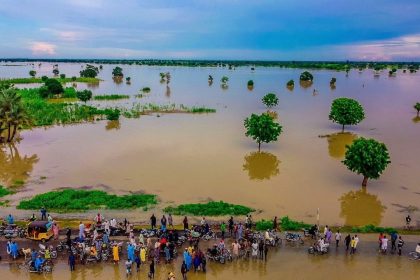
column 84, row 95
column 417, row 107
column 32, row 73
column 117, row 72
column 262, row 128
column 306, row 76
column 346, row 111
column 367, row 157
column 54, row 87
column 270, row 100
column 90, row 71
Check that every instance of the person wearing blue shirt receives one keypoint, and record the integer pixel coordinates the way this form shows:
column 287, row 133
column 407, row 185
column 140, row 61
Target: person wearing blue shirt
column 10, row 219
column 38, row 263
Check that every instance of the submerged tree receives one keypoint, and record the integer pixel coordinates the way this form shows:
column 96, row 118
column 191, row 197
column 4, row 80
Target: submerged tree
column 90, row 71
column 346, row 111
column 333, row 80
column 262, row 128
column 270, row 100
column 367, row 157
column 32, row 73
column 250, row 83
column 54, row 87
column 290, row 84
column 56, row 71
column 84, row 95
column 117, row 72
column 306, row 76
column 417, row 107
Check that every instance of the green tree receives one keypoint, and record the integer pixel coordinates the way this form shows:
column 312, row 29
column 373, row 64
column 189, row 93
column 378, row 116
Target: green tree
column 117, row 72
column 74, row 78
column 270, row 100
column 90, row 71
column 417, row 107
column 13, row 115
column 128, row 80
column 54, row 86
column 250, row 83
column 367, row 157
column 56, row 71
column 346, row 111
column 62, row 76
column 84, row 95
column 224, row 80
column 44, row 78
column 112, row 114
column 262, row 128
column 290, row 83
column 32, row 73
column 333, row 80
column 306, row 76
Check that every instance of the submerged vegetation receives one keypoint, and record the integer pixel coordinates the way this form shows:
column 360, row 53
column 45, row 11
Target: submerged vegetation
column 285, row 222
column 82, row 200
column 111, row 97
column 270, row 100
column 373, row 229
column 212, row 208
column 34, row 80
column 4, row 191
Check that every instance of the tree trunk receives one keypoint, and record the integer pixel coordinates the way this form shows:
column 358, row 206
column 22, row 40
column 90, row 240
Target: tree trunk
column 259, row 146
column 8, row 133
column 364, row 183
column 14, row 132
column 342, row 128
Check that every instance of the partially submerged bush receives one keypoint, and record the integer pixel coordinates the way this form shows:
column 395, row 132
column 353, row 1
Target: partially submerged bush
column 289, row 224
column 263, row 225
column 374, row 229
column 81, row 200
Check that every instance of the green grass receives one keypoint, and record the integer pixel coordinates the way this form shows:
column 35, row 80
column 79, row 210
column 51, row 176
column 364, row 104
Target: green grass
column 150, row 108
column 82, row 200
column 4, row 191
column 145, row 89
column 38, row 80
column 373, row 229
column 212, row 208
column 111, row 97
column 199, row 110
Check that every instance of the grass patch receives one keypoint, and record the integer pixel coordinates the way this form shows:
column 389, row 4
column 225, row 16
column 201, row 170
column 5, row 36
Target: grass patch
column 82, row 200
column 199, row 110
column 289, row 224
column 145, row 89
column 39, row 80
column 4, row 191
column 111, row 97
column 212, row 208
column 150, row 108
column 262, row 225
column 373, row 229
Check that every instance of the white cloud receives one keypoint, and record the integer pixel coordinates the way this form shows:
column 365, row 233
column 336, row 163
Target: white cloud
column 43, row 48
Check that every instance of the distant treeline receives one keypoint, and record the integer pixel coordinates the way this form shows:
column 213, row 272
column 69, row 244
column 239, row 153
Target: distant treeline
column 331, row 65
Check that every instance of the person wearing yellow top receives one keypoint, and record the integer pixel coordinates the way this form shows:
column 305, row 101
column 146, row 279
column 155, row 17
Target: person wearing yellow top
column 115, row 253
column 353, row 246
column 143, row 255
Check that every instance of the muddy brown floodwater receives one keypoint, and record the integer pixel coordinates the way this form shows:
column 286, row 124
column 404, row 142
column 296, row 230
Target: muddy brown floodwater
column 192, row 158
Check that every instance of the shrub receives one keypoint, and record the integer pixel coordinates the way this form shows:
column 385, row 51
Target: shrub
column 84, row 95
column 44, row 78
column 74, row 78
column 250, row 83
column 290, row 83
column 4, row 191
column 374, row 229
column 145, row 89
column 111, row 97
column 270, row 100
column 112, row 114
column 306, row 76
column 289, row 224
column 212, row 208
column 263, row 225
column 54, row 86
column 62, row 76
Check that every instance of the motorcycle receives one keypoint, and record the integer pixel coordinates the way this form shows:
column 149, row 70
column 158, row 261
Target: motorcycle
column 316, row 250
column 294, row 237
column 43, row 248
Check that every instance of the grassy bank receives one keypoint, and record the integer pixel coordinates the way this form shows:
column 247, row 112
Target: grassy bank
column 111, row 97
column 82, row 200
column 36, row 80
column 4, row 191
column 212, row 208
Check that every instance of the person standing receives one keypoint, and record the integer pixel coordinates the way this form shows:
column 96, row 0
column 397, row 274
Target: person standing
column 400, row 244
column 408, row 222
column 72, row 261
column 163, row 222
column 152, row 270
column 170, row 221
column 381, row 236
column 184, row 270
column 265, row 251
column 261, row 249
column 43, row 214
column 394, row 237
column 235, row 249
column 81, row 231
column 223, row 229
column 56, row 230
column 328, row 236
column 353, row 246
column 347, row 241
column 153, row 221
column 10, row 219
column 325, row 231
column 337, row 238
column 115, row 254
column 185, row 222
column 275, row 223
column 384, row 245
column 240, row 231
column 230, row 226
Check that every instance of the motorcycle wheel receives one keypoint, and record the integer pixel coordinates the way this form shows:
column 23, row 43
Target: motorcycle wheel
column 59, row 248
column 53, row 254
column 311, row 250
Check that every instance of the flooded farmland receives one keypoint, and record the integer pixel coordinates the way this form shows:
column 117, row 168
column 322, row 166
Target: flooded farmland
column 193, row 158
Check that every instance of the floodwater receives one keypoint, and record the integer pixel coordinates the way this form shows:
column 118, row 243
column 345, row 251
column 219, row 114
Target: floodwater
column 186, row 158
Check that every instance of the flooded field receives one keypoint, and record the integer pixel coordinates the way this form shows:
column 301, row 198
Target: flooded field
column 193, row 158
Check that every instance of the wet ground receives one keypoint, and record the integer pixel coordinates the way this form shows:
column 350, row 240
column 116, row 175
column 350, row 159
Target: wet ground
column 286, row 262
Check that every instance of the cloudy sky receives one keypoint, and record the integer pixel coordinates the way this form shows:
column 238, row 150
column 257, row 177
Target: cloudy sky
column 212, row 29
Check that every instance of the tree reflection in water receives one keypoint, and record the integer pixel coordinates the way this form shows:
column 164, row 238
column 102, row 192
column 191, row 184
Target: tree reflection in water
column 360, row 208
column 337, row 143
column 13, row 167
column 261, row 165
column 168, row 92
column 416, row 119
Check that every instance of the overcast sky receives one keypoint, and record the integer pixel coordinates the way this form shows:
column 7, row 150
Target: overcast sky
column 212, row 29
